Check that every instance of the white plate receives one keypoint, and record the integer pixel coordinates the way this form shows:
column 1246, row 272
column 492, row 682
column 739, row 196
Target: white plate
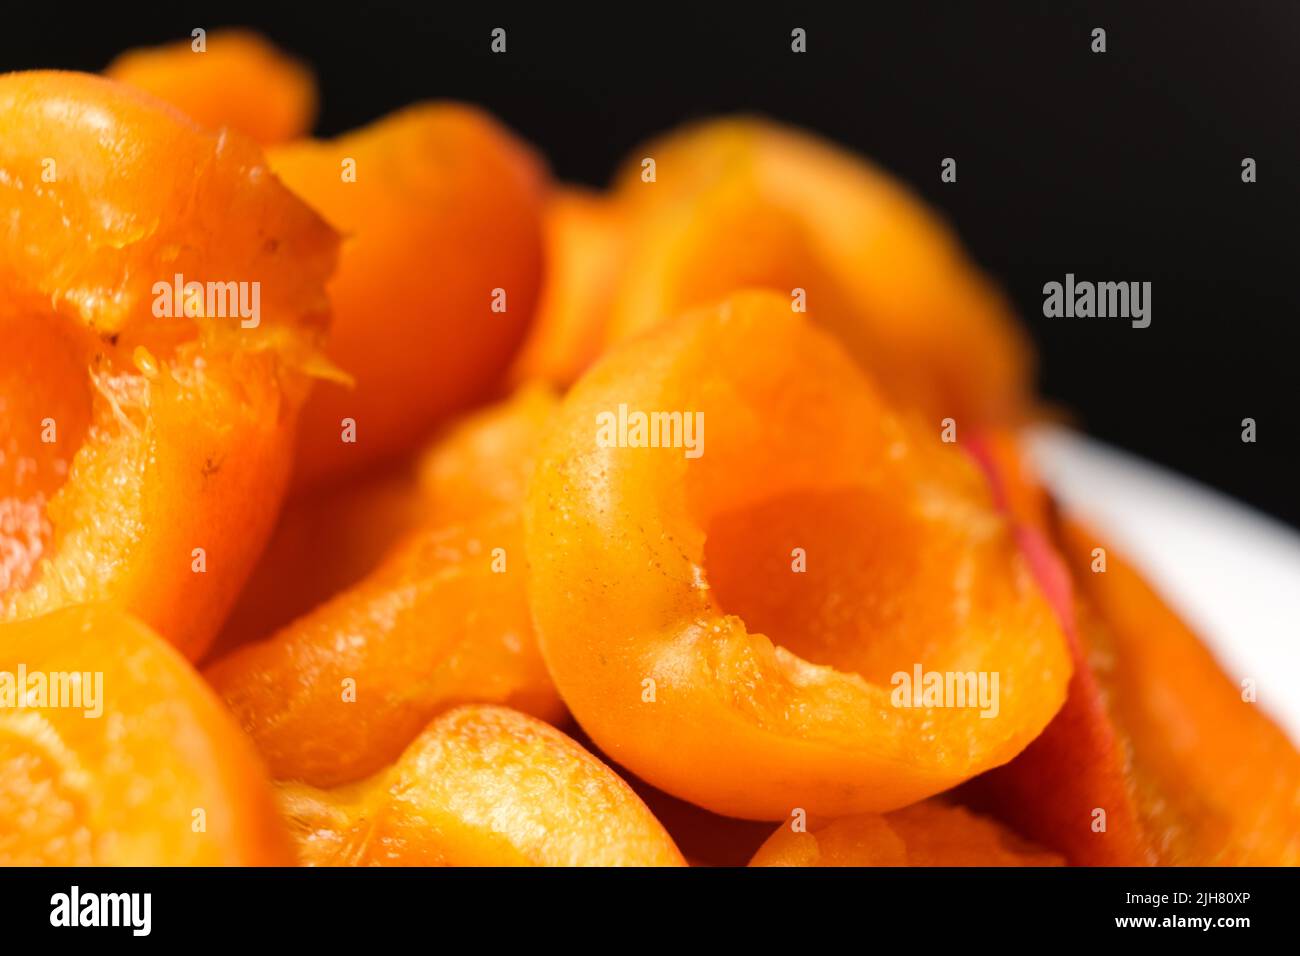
column 1232, row 572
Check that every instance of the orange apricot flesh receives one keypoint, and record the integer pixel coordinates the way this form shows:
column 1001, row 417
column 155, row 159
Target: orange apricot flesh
column 329, row 538
column 729, row 626
column 146, row 442
column 481, row 786
column 438, row 278
column 931, row 833
column 135, row 763
column 239, row 80
column 326, row 540
column 443, row 620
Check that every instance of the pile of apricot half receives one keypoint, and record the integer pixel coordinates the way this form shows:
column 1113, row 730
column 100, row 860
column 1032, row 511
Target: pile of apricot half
column 379, row 500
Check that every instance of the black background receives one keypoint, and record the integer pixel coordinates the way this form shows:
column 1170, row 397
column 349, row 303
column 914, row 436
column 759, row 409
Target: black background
column 1123, row 166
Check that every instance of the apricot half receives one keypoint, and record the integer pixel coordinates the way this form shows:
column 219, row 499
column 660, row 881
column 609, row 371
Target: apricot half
column 931, row 833
column 442, row 210
column 235, row 79
column 336, row 694
column 727, row 610
column 113, row 752
column 1157, row 757
column 1216, row 782
column 743, row 202
column 164, row 297
column 481, row 786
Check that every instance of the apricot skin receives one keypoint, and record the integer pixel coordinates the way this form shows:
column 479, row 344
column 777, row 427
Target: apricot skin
column 1216, row 782
column 446, row 207
column 240, row 81
column 1153, row 732
column 925, row 834
column 481, row 786
column 622, row 591
column 173, row 433
column 585, row 253
column 745, row 202
column 121, row 789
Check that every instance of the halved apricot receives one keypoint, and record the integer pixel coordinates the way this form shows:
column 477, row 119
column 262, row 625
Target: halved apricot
column 742, row 202
column 166, row 294
column 114, row 752
column 438, row 278
column 727, row 611
column 585, row 244
column 481, row 786
column 931, row 833
column 238, row 79
column 1157, row 757
column 1216, row 781
column 443, row 620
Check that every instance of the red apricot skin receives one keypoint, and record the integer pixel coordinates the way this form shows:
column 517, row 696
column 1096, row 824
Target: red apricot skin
column 1153, row 731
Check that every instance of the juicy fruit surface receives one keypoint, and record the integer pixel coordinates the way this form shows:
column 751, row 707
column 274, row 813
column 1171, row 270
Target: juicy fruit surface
column 743, row 202
column 432, row 627
column 326, row 540
column 925, row 834
column 727, row 619
column 482, row 786
column 752, row 723
column 238, row 81
column 446, row 207
column 122, row 788
column 443, row 620
column 142, row 193
column 143, row 438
